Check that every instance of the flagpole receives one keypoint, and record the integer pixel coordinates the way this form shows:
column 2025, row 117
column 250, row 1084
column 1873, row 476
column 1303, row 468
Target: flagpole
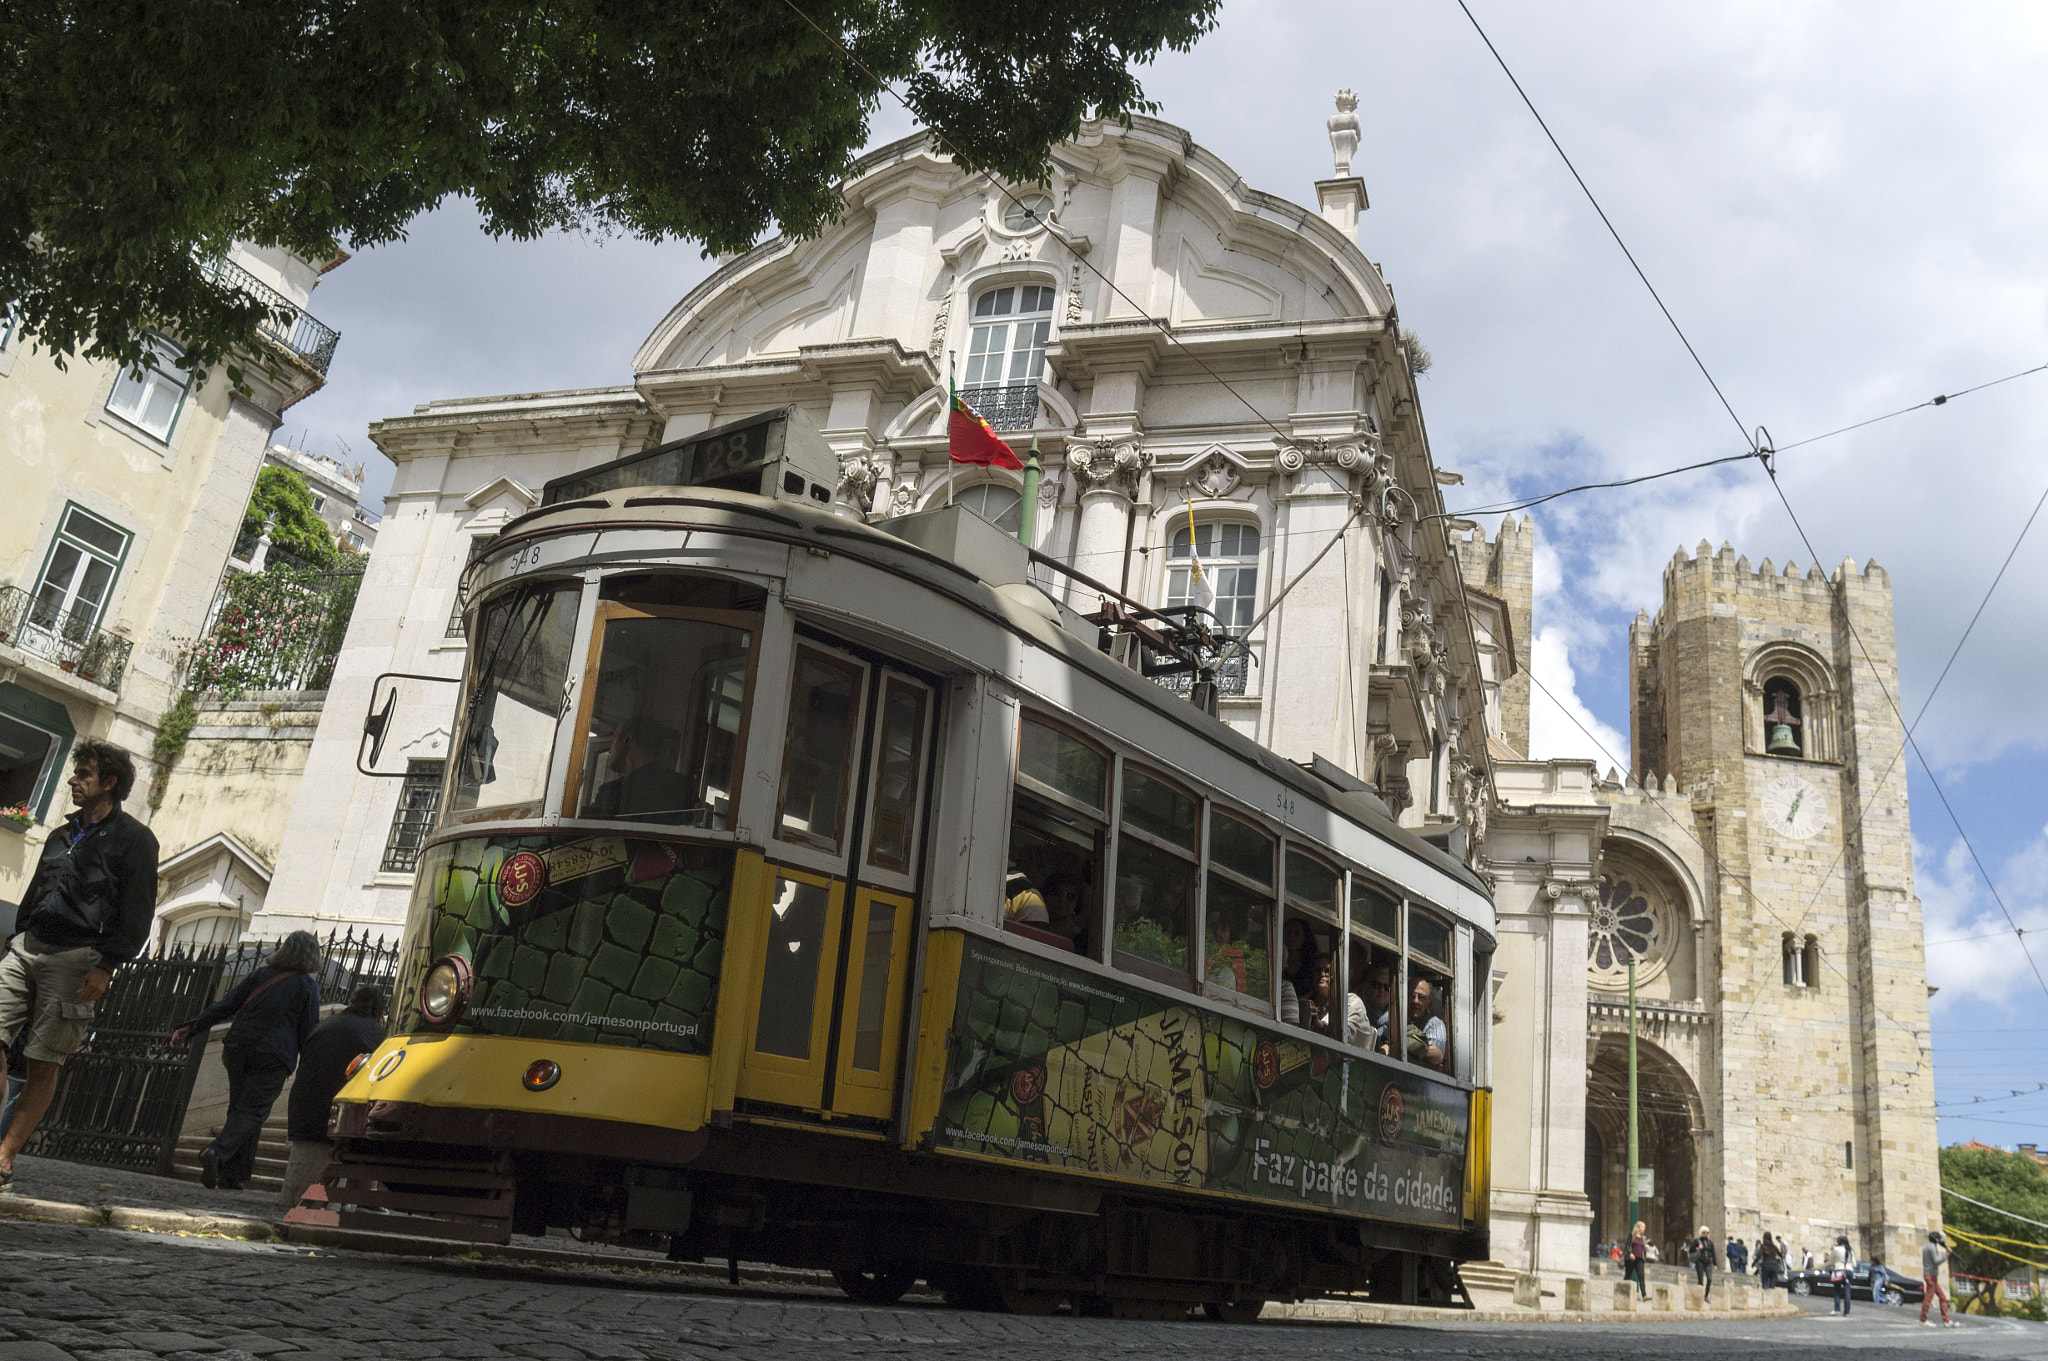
column 952, row 396
column 1027, row 512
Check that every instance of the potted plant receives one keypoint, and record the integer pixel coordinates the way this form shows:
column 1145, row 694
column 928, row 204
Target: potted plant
column 18, row 816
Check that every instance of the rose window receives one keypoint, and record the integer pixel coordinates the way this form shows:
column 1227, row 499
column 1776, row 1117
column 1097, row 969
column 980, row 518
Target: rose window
column 1626, row 923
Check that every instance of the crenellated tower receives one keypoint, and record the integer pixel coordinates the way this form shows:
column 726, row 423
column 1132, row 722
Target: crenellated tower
column 1766, row 696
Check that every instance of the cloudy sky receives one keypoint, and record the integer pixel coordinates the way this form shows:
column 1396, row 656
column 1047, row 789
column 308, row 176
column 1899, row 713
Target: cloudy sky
column 1841, row 203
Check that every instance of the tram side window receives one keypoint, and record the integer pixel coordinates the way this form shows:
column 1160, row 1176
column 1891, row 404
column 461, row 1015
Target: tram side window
column 1375, row 965
column 1157, row 851
column 1059, row 830
column 508, row 731
column 817, row 764
column 665, row 720
column 1239, row 905
column 1308, row 937
column 1428, row 1040
column 896, row 772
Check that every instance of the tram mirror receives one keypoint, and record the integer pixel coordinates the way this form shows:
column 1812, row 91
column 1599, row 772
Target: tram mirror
column 777, row 454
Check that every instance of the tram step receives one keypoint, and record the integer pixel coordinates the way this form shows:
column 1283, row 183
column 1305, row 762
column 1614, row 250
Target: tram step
column 468, row 1200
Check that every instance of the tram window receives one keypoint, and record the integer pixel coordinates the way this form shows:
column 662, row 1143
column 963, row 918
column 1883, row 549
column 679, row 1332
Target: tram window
column 1375, row 974
column 666, row 713
column 508, row 733
column 896, row 776
column 1429, row 991
column 1239, row 907
column 685, row 589
column 1056, row 869
column 789, row 975
column 1309, row 937
column 1155, row 877
column 817, row 763
column 874, row 988
column 1063, row 763
column 1375, row 913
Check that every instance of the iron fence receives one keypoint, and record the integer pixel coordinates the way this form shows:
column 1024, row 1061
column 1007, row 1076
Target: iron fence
column 121, row 1098
column 68, row 638
column 276, row 629
column 285, row 323
column 1005, row 406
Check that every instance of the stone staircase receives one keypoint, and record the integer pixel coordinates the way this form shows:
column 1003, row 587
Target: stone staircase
column 1488, row 1278
column 272, row 1152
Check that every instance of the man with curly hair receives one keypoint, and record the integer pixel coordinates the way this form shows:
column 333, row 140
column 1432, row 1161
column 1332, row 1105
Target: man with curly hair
column 86, row 913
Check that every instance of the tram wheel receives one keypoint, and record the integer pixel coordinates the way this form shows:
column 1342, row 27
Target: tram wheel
column 884, row 1285
column 1234, row 1311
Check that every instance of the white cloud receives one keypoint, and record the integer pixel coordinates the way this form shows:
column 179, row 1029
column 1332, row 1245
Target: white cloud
column 1972, row 955
column 1560, row 724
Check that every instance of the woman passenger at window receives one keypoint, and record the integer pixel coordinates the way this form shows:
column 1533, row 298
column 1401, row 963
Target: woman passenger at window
column 1066, row 908
column 1314, row 985
column 1022, row 902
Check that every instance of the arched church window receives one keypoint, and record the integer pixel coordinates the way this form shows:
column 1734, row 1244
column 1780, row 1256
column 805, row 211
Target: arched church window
column 1006, row 353
column 1793, row 961
column 1228, row 556
column 1784, row 723
column 1809, row 958
column 993, row 501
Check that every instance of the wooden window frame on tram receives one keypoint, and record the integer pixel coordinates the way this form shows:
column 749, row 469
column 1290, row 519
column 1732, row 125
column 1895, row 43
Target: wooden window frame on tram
column 1198, row 858
column 1291, row 903
column 1284, row 838
column 1266, row 1008
column 599, row 614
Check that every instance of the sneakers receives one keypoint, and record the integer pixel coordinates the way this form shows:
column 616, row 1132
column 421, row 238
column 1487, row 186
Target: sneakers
column 1929, row 1323
column 209, row 1167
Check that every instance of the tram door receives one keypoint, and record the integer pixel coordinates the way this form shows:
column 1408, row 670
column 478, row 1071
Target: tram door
column 832, row 954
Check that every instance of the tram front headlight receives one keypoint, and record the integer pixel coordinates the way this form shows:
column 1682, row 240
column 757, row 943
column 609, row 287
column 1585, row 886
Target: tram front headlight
column 445, row 990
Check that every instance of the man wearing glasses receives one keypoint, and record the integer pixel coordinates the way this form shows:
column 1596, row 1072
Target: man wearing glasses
column 1379, row 1000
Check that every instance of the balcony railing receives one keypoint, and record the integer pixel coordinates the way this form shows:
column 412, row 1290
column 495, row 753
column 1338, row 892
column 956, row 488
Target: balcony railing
column 1005, row 406
column 287, row 324
column 66, row 638
column 1230, row 681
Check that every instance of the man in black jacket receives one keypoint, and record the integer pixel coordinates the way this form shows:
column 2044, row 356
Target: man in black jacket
column 86, row 913
column 324, row 1064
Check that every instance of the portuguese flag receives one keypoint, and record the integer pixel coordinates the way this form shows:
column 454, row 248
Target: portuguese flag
column 969, row 438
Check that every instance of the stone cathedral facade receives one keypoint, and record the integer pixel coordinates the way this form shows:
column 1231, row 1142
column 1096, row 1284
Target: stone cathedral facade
column 1094, row 314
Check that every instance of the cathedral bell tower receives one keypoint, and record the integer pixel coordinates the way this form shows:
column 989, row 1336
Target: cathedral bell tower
column 1766, row 697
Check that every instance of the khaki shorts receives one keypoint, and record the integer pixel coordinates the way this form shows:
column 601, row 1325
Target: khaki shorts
column 39, row 988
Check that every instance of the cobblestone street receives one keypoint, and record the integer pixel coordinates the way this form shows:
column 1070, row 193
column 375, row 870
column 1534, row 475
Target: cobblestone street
column 109, row 1295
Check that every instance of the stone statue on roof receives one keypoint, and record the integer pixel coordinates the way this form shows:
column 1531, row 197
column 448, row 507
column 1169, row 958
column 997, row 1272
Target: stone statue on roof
column 1343, row 126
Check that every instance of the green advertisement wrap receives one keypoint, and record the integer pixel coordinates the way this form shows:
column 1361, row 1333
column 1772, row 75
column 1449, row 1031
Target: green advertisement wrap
column 602, row 939
column 1072, row 1070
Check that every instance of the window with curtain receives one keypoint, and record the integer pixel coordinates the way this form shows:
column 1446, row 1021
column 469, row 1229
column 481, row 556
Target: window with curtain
column 1007, row 346
column 1229, row 554
column 79, row 574
column 151, row 398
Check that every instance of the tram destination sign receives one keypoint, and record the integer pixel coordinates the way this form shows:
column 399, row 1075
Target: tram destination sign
column 733, row 457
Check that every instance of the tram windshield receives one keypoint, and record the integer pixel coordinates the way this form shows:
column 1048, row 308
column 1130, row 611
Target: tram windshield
column 522, row 661
column 666, row 712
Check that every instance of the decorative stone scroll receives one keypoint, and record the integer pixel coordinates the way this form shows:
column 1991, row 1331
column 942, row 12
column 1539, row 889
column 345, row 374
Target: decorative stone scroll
column 1103, row 466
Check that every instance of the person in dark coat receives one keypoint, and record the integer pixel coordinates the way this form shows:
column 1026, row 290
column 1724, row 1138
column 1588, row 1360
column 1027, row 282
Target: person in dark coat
column 86, row 912
column 275, row 1010
column 323, row 1067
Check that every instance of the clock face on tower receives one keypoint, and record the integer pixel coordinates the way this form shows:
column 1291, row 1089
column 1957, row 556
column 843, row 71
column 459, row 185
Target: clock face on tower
column 1794, row 808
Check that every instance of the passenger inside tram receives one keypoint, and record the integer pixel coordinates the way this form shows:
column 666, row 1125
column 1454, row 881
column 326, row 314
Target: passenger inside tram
column 1050, row 889
column 1428, row 1039
column 645, row 783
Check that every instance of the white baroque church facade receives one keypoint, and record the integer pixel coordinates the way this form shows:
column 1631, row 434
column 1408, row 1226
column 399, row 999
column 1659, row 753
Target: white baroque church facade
column 1202, row 365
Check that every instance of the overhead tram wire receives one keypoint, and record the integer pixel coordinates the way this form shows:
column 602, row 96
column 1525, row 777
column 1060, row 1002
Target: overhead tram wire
column 1760, row 446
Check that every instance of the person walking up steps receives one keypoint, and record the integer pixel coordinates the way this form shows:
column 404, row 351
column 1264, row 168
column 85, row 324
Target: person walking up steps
column 1933, row 1254
column 274, row 1011
column 1700, row 1251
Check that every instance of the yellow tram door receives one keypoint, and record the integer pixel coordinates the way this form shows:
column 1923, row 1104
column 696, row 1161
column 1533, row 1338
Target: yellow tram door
column 832, row 952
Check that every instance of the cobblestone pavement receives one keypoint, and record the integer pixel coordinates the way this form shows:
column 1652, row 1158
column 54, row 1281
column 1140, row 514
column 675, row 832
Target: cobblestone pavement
column 107, row 1295
column 79, row 1184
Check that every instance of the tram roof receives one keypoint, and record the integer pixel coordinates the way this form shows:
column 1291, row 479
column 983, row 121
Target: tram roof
column 752, row 515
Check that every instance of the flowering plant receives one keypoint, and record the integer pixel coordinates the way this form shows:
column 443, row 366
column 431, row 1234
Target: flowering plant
column 19, row 816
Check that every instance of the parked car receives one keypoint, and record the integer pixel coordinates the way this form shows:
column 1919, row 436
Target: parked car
column 1872, row 1281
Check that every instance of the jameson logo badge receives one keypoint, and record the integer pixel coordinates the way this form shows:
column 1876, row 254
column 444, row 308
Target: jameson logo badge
column 520, row 878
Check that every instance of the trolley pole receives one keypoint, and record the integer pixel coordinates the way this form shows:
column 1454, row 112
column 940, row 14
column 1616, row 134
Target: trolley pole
column 1634, row 1209
column 1027, row 514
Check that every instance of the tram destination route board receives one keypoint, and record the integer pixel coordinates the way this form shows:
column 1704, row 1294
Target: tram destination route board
column 778, row 453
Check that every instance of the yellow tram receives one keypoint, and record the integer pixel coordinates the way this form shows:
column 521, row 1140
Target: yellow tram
column 824, row 894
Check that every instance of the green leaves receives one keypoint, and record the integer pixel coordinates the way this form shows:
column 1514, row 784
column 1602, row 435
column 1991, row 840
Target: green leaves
column 144, row 135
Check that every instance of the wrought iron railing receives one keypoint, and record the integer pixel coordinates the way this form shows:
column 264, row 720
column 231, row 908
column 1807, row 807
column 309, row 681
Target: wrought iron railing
column 67, row 637
column 1005, row 406
column 121, row 1099
column 287, row 323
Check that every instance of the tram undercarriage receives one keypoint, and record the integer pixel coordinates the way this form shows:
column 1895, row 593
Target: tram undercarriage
column 986, row 1236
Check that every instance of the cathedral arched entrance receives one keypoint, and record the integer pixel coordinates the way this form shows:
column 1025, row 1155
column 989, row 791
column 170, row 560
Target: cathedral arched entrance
column 1668, row 1130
